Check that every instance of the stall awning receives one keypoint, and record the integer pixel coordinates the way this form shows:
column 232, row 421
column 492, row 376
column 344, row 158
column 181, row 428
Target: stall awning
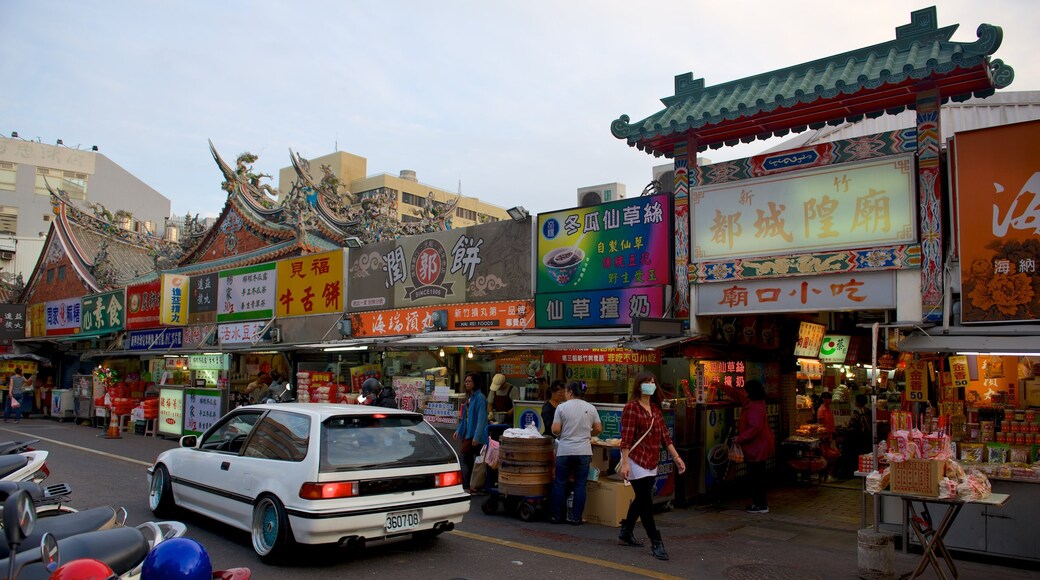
column 975, row 340
column 557, row 339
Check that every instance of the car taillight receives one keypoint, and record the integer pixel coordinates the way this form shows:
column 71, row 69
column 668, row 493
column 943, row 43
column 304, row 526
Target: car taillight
column 329, row 490
column 448, row 479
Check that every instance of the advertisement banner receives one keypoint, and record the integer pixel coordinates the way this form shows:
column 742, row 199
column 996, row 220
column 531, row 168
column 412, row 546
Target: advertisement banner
column 810, row 339
column 171, row 411
column 199, row 335
column 602, row 356
column 157, row 339
column 311, row 284
column 241, row 332
column 359, row 374
column 142, row 305
column 201, row 410
column 173, row 306
column 103, row 313
column 856, row 291
column 611, row 245
column 848, row 205
column 202, row 307
column 509, row 315
column 37, row 317
column 63, row 316
column 997, row 194
column 611, row 307
column 959, row 370
column 209, row 362
column 916, row 381
column 409, row 391
column 487, row 262
column 834, row 348
column 246, row 293
column 12, row 321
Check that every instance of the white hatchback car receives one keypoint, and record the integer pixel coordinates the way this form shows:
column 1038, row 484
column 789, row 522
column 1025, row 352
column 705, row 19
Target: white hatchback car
column 314, row 474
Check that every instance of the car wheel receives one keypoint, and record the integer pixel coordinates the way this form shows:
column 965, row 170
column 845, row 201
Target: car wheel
column 525, row 511
column 490, row 505
column 270, row 530
column 160, row 493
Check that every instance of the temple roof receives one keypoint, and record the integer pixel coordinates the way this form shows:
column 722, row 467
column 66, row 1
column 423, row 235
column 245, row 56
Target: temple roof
column 870, row 81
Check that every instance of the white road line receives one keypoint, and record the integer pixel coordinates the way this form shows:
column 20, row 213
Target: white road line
column 77, row 447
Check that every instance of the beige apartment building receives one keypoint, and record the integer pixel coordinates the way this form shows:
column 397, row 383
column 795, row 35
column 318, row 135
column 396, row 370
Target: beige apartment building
column 409, row 192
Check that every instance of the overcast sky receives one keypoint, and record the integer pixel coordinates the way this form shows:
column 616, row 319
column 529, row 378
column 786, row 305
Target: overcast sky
column 513, row 99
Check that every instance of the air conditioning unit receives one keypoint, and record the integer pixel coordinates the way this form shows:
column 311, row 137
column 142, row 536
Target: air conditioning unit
column 6, row 255
column 590, row 198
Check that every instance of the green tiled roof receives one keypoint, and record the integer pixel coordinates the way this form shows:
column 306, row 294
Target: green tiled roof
column 870, row 81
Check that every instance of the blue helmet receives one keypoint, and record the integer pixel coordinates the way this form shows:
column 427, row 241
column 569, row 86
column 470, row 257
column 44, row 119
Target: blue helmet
column 177, row 559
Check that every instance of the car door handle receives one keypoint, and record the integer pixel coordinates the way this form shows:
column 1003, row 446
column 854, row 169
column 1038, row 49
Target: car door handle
column 225, row 466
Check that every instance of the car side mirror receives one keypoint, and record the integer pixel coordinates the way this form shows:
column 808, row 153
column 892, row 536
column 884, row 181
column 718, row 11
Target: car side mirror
column 189, row 441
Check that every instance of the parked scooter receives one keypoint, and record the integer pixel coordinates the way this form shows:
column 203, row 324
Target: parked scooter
column 14, row 447
column 26, row 466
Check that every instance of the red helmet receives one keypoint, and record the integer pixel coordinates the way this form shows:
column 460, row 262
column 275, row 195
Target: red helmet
column 83, row 569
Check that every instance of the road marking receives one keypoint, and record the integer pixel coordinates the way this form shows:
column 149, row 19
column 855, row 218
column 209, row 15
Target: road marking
column 566, row 555
column 77, row 447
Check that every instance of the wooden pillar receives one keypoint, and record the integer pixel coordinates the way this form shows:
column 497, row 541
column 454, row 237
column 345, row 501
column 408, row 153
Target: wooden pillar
column 681, row 294
column 928, row 189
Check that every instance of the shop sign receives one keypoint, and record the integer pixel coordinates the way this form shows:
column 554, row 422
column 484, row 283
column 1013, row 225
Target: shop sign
column 916, row 381
column 842, row 206
column 156, row 339
column 858, row 291
column 37, row 317
column 998, row 203
column 311, row 284
column 487, row 262
column 959, row 371
column 610, row 307
column 361, row 373
column 103, row 313
column 513, row 367
column 508, row 315
column 12, row 321
column 142, row 305
column 63, row 316
column 409, row 391
column 810, row 339
column 241, row 332
column 602, row 356
column 202, row 306
column 246, row 293
column 619, row 244
column 834, row 348
column 196, row 336
column 7, row 366
column 171, row 411
column 201, row 410
column 209, row 362
column 173, row 306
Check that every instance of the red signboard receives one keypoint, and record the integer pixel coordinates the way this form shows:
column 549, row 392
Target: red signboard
column 503, row 315
column 143, row 305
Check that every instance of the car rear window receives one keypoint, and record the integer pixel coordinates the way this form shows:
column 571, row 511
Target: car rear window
column 381, row 441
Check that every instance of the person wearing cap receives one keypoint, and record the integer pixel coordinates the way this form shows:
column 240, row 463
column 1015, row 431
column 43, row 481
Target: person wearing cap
column 374, row 393
column 501, row 399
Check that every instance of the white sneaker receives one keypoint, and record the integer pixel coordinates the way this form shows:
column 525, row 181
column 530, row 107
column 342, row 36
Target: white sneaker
column 757, row 509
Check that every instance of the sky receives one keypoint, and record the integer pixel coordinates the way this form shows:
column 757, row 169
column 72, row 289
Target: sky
column 512, row 101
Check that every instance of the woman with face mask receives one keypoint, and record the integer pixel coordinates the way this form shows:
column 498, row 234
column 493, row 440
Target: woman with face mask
column 643, row 433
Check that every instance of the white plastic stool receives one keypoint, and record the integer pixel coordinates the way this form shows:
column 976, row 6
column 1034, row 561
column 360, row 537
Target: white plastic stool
column 151, row 427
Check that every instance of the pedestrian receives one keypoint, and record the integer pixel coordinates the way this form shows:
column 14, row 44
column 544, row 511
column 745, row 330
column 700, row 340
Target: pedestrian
column 755, row 438
column 575, row 423
column 643, row 433
column 14, row 391
column 375, row 394
column 278, row 390
column 857, row 437
column 472, row 429
column 557, row 395
column 46, row 390
column 825, row 418
column 501, row 403
column 256, row 391
column 28, row 396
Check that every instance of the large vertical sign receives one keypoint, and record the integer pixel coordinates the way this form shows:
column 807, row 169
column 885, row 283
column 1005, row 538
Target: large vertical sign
column 202, row 306
column 998, row 203
column 63, row 316
column 173, row 307
column 311, row 284
column 103, row 313
column 246, row 293
column 142, row 305
column 12, row 321
column 37, row 316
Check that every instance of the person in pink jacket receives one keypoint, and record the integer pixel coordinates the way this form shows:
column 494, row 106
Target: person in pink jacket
column 756, row 439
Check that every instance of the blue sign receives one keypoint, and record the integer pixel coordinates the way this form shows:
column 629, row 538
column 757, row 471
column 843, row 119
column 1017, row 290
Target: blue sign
column 157, row 339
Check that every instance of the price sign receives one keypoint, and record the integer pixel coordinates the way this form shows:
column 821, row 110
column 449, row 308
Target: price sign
column 916, row 382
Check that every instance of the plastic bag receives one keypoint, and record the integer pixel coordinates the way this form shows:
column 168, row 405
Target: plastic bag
column 736, row 454
column 15, row 404
column 491, row 454
column 479, row 474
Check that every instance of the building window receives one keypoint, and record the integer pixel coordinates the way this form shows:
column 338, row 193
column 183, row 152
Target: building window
column 61, row 272
column 412, row 199
column 72, row 183
column 50, row 275
column 7, row 176
column 466, row 214
column 8, row 220
column 410, row 218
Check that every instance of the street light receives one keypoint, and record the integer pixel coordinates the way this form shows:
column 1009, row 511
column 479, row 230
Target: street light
column 352, row 242
column 518, row 213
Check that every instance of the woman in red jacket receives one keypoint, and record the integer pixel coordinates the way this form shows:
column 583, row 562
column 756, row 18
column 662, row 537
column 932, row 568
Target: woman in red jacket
column 756, row 439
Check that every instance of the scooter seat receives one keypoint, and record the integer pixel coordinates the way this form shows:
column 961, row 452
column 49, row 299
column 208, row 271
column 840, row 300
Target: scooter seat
column 64, row 526
column 12, row 463
column 120, row 548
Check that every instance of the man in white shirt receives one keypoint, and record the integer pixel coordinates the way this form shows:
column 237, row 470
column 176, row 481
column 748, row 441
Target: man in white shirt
column 576, row 423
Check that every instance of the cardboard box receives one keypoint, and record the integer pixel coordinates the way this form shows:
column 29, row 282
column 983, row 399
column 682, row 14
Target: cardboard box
column 917, row 477
column 607, row 502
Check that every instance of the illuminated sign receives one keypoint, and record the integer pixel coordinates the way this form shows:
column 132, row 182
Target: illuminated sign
column 857, row 291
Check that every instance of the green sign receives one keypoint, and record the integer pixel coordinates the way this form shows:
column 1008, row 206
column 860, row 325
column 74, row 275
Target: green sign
column 209, row 362
column 103, row 313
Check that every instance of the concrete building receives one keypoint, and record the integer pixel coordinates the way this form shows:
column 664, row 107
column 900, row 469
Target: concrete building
column 27, row 167
column 405, row 187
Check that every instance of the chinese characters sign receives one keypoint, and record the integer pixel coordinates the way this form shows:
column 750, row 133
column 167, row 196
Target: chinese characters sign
column 858, row 291
column 202, row 307
column 63, row 316
column 508, row 315
column 598, row 307
column 103, row 313
column 171, row 411
column 311, row 284
column 611, row 245
column 486, row 263
column 12, row 321
column 916, row 381
column 157, row 339
column 602, row 356
column 173, row 309
column 241, row 332
column 998, row 202
column 246, row 293
column 210, row 362
column 810, row 338
column 837, row 207
column 37, row 316
column 959, row 370
column 142, row 305
column 834, row 348
column 201, row 410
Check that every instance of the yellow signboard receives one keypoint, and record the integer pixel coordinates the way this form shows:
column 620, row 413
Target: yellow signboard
column 916, row 381
column 959, row 370
column 311, row 284
column 37, row 316
column 173, row 307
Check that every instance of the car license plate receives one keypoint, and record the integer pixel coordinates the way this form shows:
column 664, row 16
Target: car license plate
column 400, row 521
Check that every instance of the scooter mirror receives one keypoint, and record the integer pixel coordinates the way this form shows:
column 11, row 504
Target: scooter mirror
column 19, row 516
column 49, row 551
